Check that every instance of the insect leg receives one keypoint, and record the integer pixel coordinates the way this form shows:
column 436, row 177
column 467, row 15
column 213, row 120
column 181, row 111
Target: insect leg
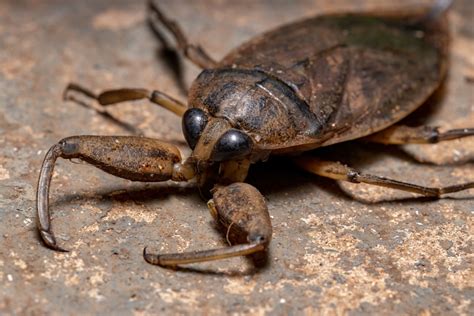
column 338, row 171
column 193, row 52
column 129, row 157
column 114, row 96
column 242, row 211
column 399, row 134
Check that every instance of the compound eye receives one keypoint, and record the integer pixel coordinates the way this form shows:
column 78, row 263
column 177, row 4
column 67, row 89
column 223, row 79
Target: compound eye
column 194, row 122
column 233, row 144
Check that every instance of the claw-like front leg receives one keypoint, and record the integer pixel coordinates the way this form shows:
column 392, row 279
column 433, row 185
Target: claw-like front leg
column 242, row 211
column 134, row 158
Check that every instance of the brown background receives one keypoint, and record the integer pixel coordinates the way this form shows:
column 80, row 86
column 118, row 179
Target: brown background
column 337, row 248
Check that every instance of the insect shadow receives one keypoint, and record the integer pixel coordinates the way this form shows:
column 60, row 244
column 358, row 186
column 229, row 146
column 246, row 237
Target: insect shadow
column 130, row 128
column 160, row 192
column 169, row 56
column 140, row 193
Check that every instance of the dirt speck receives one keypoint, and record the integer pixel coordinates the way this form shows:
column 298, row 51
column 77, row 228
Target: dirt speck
column 115, row 19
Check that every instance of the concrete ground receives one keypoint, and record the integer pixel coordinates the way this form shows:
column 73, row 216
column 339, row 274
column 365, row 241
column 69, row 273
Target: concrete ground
column 337, row 248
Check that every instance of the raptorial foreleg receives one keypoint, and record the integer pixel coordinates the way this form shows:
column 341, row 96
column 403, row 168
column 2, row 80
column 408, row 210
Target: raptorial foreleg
column 242, row 211
column 129, row 157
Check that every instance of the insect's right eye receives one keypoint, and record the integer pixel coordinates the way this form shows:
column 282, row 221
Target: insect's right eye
column 194, row 122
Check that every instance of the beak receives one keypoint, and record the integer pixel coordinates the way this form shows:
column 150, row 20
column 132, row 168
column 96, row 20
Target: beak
column 215, row 128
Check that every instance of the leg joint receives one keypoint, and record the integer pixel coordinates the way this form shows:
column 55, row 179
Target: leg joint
column 432, row 135
column 353, row 176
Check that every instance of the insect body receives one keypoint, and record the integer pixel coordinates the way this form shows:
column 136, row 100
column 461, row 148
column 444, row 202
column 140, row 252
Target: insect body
column 305, row 85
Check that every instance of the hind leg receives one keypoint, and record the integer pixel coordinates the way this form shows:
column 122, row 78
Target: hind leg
column 399, row 135
column 193, row 52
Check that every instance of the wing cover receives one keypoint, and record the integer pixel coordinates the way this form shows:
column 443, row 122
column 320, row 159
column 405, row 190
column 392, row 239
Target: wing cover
column 357, row 74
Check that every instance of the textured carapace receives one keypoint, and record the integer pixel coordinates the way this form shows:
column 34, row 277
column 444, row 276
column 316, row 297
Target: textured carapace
column 324, row 80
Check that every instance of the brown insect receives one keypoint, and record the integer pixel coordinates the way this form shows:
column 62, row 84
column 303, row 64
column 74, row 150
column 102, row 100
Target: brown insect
column 304, row 85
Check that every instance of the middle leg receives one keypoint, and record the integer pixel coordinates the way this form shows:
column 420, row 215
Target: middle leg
column 338, row 171
column 114, row 96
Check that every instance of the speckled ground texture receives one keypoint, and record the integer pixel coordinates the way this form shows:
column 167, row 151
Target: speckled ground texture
column 336, row 249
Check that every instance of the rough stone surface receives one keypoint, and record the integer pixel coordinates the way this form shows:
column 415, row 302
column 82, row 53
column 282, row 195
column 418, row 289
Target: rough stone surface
column 337, row 248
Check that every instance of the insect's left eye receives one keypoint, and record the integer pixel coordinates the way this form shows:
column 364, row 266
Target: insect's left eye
column 194, row 122
column 233, row 144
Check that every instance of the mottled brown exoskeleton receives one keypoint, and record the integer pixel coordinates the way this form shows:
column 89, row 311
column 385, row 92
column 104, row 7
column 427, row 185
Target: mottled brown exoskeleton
column 304, row 85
